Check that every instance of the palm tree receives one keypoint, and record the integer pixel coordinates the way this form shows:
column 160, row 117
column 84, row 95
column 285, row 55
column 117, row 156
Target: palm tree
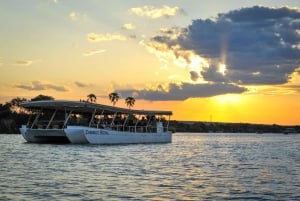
column 114, row 97
column 91, row 98
column 129, row 102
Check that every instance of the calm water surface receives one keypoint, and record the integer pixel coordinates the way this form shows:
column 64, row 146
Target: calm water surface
column 193, row 167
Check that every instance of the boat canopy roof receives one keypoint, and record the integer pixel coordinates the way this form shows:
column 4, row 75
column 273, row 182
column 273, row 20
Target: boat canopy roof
column 80, row 106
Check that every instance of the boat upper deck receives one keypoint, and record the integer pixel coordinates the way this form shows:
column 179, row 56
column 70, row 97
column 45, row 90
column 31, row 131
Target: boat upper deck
column 80, row 106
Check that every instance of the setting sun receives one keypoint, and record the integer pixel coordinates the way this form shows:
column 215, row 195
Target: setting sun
column 233, row 99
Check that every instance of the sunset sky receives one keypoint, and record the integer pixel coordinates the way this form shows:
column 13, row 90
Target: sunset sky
column 223, row 61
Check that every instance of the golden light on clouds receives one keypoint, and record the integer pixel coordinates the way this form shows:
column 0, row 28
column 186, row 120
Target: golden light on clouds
column 93, row 52
column 128, row 26
column 92, row 37
column 222, row 69
column 185, row 59
column 295, row 76
column 154, row 13
column 256, row 73
column 197, row 63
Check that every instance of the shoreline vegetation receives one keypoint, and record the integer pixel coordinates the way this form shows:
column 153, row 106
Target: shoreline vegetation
column 12, row 116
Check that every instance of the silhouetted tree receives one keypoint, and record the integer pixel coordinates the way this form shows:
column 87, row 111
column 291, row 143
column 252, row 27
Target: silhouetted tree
column 17, row 101
column 5, row 111
column 15, row 105
column 91, row 98
column 9, row 116
column 114, row 97
column 129, row 102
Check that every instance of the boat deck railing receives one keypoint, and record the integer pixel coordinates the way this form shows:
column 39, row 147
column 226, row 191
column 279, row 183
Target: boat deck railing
column 119, row 128
column 134, row 129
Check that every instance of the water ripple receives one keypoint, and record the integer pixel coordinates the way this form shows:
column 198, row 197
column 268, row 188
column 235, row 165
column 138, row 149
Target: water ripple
column 193, row 167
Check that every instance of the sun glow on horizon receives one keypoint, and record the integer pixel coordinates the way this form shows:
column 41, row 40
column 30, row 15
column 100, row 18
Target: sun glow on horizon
column 228, row 99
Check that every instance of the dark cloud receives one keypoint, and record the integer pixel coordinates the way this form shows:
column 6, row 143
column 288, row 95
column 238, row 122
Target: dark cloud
column 194, row 75
column 260, row 14
column 80, row 84
column 249, row 40
column 38, row 86
column 212, row 74
column 184, row 91
column 24, row 62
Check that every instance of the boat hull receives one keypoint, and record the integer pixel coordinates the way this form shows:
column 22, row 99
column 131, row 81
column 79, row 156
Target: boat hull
column 44, row 135
column 87, row 135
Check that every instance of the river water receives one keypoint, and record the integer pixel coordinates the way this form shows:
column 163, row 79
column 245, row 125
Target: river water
column 193, row 167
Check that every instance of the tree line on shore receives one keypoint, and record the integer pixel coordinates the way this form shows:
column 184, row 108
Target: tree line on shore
column 12, row 116
column 219, row 127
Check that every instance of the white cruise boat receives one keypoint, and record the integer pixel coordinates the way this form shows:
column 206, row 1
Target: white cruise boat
column 90, row 123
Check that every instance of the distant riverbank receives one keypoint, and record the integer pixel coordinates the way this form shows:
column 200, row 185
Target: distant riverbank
column 219, row 127
column 11, row 126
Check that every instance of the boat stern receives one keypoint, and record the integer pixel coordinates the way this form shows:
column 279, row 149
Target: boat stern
column 43, row 135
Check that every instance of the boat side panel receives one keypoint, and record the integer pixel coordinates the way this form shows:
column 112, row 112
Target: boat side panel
column 85, row 135
column 76, row 134
column 102, row 136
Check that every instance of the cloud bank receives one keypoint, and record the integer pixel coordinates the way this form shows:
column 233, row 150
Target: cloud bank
column 225, row 54
column 258, row 45
column 183, row 91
